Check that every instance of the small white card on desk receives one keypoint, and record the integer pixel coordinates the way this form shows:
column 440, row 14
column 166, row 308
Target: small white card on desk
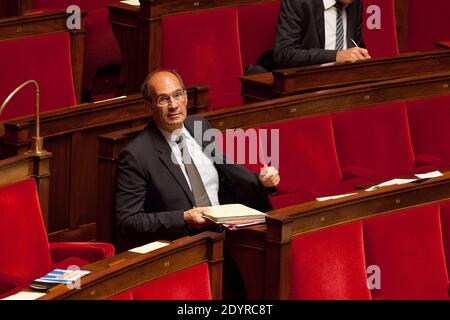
column 428, row 175
column 392, row 182
column 149, row 247
column 23, row 295
column 335, row 197
column 132, row 2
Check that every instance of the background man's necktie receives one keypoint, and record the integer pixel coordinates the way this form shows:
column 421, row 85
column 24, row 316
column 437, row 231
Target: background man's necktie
column 198, row 188
column 339, row 26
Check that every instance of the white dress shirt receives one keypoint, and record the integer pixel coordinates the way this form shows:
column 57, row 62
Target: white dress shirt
column 330, row 24
column 205, row 166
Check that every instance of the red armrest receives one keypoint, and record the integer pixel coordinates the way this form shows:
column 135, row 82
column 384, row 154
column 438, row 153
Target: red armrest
column 89, row 251
column 10, row 285
column 429, row 160
column 358, row 172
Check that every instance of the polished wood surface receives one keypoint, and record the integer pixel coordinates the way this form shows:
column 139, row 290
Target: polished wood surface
column 10, row 8
column 284, row 82
column 127, row 270
column 71, row 135
column 46, row 23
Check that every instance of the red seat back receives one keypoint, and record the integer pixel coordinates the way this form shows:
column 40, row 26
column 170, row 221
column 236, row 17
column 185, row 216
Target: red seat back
column 257, row 23
column 445, row 223
column 188, row 284
column 85, row 5
column 45, row 59
column 329, row 264
column 381, row 39
column 407, row 247
column 307, row 154
column 22, row 225
column 375, row 138
column 428, row 122
column 204, row 48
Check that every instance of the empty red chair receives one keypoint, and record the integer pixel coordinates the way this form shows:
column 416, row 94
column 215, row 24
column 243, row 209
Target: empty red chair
column 426, row 25
column 204, row 48
column 430, row 132
column 25, row 252
column 188, row 284
column 445, row 224
column 102, row 56
column 329, row 264
column 308, row 162
column 45, row 59
column 407, row 247
column 374, row 142
column 257, row 23
column 380, row 28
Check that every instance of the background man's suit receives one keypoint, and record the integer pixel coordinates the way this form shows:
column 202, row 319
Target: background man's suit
column 152, row 192
column 300, row 33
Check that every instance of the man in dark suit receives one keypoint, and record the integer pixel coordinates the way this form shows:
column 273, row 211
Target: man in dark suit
column 157, row 196
column 318, row 31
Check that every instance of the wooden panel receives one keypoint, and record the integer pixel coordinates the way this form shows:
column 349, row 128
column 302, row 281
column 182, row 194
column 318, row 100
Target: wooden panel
column 128, row 270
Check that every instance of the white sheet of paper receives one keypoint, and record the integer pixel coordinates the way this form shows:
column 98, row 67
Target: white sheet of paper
column 392, row 182
column 335, row 197
column 149, row 247
column 25, row 296
column 428, row 175
column 132, row 2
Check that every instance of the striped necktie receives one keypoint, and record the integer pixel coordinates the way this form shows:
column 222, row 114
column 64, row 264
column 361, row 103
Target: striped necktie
column 197, row 186
column 339, row 26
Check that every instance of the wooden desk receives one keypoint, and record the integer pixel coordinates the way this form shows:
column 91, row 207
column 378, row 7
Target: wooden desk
column 285, row 82
column 127, row 270
column 263, row 253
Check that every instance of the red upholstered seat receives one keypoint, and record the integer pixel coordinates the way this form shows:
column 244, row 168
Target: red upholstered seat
column 427, row 24
column 102, row 52
column 429, row 127
column 308, row 161
column 374, row 139
column 45, row 59
column 257, row 22
column 445, row 224
column 25, row 252
column 407, row 246
column 382, row 41
column 204, row 48
column 188, row 284
column 329, row 264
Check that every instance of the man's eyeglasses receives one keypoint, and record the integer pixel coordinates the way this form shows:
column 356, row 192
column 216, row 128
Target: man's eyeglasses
column 164, row 100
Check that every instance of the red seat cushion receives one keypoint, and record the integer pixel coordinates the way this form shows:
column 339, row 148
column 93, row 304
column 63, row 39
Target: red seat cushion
column 188, row 284
column 257, row 23
column 380, row 42
column 407, row 246
column 428, row 122
column 204, row 48
column 329, row 264
column 375, row 138
column 45, row 59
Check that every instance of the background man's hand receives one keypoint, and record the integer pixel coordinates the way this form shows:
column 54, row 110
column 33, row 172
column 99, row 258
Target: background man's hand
column 194, row 219
column 269, row 176
column 352, row 54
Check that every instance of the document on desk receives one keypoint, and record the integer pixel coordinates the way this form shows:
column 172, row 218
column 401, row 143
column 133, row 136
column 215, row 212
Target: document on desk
column 149, row 247
column 132, row 2
column 428, row 175
column 23, row 295
column 392, row 182
column 335, row 197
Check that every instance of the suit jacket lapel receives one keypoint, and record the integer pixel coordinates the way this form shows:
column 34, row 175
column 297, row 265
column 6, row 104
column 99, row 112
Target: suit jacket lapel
column 165, row 156
column 351, row 18
column 320, row 22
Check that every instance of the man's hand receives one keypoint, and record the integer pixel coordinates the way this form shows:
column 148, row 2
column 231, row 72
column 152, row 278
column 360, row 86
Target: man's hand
column 194, row 219
column 269, row 176
column 352, row 55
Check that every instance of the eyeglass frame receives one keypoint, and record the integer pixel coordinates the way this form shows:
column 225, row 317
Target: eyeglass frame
column 172, row 97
